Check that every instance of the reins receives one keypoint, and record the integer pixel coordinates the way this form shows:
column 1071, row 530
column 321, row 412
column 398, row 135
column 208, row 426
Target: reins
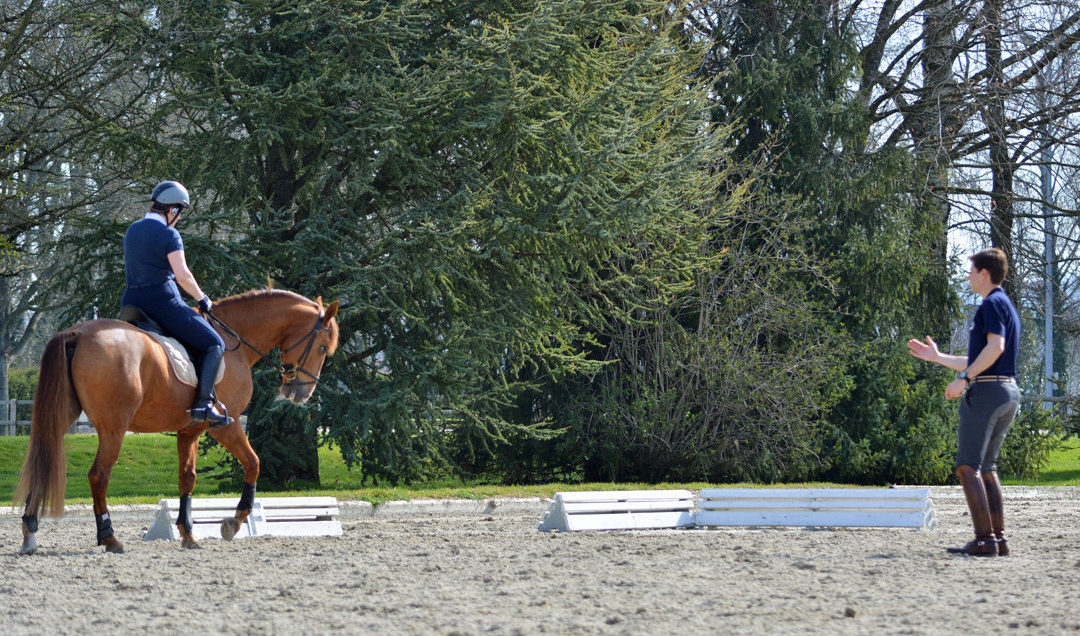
column 288, row 371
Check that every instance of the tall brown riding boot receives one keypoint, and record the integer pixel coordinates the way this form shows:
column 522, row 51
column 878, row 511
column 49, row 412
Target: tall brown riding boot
column 996, row 506
column 975, row 493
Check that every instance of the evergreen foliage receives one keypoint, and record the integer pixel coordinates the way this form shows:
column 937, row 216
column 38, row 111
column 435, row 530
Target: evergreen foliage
column 475, row 181
column 783, row 69
column 572, row 239
column 558, row 145
column 23, row 383
column 727, row 381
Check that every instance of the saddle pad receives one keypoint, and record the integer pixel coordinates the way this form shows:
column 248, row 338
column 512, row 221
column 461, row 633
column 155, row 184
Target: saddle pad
column 181, row 363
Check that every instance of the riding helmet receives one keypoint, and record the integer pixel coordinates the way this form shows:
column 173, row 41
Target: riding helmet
column 169, row 193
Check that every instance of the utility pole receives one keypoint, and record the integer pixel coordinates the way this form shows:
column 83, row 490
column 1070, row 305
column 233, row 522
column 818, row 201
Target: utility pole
column 1048, row 238
column 1047, row 179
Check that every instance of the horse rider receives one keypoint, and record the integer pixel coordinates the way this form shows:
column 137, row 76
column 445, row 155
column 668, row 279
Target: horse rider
column 154, row 264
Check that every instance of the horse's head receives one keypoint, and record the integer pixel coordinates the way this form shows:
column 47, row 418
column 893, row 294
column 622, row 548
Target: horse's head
column 304, row 349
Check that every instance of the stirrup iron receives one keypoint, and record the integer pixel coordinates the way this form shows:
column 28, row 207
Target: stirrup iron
column 208, row 412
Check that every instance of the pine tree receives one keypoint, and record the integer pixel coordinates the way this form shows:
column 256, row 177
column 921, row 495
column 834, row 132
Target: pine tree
column 461, row 175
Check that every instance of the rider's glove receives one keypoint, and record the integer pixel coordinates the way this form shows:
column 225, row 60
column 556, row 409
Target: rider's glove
column 205, row 304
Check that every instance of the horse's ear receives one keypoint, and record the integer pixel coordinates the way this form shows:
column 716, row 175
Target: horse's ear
column 331, row 311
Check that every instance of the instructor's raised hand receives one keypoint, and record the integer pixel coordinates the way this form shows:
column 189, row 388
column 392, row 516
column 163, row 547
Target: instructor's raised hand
column 924, row 350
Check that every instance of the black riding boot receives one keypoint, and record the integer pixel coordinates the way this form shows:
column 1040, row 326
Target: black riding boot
column 206, row 407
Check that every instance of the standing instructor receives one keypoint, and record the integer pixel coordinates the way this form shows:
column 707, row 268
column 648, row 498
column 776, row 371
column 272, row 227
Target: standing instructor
column 990, row 402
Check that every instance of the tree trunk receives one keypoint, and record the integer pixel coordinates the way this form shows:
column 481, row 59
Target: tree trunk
column 5, row 391
column 934, row 123
column 297, row 460
column 931, row 132
column 5, row 338
column 1001, row 165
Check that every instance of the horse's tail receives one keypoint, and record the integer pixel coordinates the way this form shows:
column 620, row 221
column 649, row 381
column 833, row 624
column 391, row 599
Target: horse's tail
column 56, row 405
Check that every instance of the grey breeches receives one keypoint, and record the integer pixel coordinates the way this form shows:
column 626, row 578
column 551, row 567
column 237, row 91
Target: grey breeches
column 986, row 413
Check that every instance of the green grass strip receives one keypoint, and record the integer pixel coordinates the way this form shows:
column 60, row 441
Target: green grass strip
column 147, row 472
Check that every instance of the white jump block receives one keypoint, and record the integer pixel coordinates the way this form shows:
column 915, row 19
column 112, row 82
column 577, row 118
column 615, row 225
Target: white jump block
column 619, row 510
column 816, row 507
column 270, row 516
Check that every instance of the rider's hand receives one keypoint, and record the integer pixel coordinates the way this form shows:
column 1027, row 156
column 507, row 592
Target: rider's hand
column 205, row 304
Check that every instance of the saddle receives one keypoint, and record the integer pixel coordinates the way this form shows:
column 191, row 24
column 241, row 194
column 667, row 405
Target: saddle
column 180, row 357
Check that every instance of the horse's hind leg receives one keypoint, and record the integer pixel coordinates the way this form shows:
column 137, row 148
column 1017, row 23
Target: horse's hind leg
column 29, row 530
column 236, row 442
column 187, row 443
column 110, row 439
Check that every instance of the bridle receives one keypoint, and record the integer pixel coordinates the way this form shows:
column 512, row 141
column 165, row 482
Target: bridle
column 288, row 370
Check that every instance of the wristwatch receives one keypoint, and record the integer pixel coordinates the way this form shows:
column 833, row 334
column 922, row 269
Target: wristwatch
column 964, row 377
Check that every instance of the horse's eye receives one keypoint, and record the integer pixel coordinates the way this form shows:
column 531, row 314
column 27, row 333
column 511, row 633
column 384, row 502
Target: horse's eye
column 323, row 349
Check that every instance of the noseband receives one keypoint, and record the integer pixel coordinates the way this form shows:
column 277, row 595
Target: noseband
column 288, row 371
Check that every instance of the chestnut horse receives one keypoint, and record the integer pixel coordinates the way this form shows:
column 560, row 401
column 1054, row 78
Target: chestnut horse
column 122, row 379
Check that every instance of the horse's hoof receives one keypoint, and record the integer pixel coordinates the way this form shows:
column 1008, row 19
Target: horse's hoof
column 191, row 545
column 116, row 547
column 229, row 528
column 29, row 545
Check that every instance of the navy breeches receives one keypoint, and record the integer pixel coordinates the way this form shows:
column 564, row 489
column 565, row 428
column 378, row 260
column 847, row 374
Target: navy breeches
column 164, row 305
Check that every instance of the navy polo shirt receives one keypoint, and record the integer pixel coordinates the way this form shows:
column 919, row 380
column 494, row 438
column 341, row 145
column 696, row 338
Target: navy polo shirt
column 147, row 246
column 997, row 315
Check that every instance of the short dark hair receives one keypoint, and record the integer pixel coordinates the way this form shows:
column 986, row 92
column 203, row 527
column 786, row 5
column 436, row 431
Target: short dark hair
column 994, row 261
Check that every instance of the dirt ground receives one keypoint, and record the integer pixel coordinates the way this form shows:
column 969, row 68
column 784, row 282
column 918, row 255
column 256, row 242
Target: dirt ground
column 495, row 573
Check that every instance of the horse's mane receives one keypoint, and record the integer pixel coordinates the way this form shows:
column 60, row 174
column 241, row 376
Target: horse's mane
column 269, row 293
column 281, row 293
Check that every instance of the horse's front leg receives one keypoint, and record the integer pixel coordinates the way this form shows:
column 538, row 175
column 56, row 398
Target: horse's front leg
column 110, row 439
column 187, row 443
column 233, row 438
